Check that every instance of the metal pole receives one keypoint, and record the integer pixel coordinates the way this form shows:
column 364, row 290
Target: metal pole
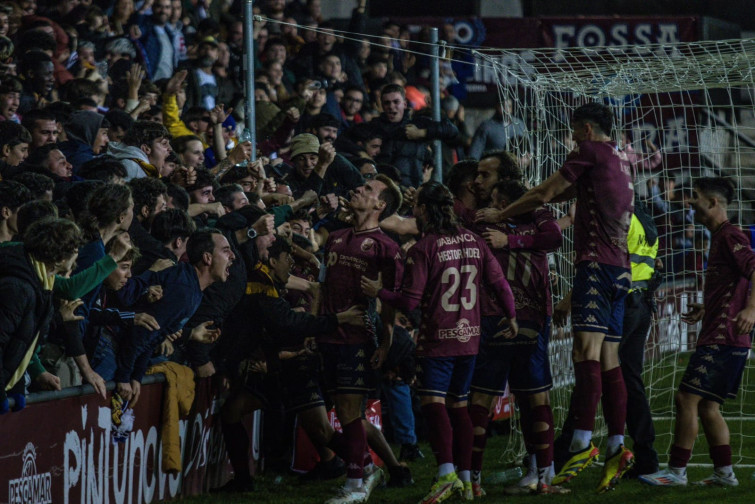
column 249, row 110
column 435, row 76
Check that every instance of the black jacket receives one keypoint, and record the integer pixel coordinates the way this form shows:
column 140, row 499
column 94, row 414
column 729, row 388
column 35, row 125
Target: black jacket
column 340, row 178
column 25, row 310
column 220, row 298
column 266, row 323
column 408, row 155
column 149, row 247
column 286, row 327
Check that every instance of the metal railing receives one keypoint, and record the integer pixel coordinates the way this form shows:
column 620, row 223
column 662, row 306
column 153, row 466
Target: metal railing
column 79, row 390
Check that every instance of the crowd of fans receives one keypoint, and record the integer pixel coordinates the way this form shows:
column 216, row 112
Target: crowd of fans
column 134, row 223
column 129, row 202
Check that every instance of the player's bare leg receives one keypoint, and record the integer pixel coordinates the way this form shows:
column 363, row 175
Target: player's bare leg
column 315, row 423
column 685, row 433
column 717, row 435
column 401, row 475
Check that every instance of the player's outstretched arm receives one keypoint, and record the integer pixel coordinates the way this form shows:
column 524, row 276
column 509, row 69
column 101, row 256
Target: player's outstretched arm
column 400, row 225
column 549, row 191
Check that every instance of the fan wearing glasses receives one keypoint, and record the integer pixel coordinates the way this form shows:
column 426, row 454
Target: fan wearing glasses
column 351, row 106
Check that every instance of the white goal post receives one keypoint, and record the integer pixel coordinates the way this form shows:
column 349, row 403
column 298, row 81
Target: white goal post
column 685, row 110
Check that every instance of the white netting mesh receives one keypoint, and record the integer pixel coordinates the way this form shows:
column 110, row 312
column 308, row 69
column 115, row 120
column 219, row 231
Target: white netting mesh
column 685, row 110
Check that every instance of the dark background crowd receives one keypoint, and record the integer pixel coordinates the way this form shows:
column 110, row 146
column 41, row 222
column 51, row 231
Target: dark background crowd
column 126, row 118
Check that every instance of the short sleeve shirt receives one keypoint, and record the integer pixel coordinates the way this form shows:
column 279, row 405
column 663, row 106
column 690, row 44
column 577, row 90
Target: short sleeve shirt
column 445, row 273
column 605, row 202
column 350, row 254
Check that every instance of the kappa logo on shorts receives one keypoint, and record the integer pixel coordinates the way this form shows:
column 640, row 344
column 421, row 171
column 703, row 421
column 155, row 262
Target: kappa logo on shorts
column 708, row 358
column 593, row 291
column 360, row 367
column 462, row 332
column 696, row 382
column 701, row 370
column 591, row 319
column 592, row 305
column 360, row 353
column 367, row 244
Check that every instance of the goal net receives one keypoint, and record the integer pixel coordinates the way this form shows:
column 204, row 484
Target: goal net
column 681, row 111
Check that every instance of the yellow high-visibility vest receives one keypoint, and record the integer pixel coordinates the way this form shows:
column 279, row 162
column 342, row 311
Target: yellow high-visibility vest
column 641, row 254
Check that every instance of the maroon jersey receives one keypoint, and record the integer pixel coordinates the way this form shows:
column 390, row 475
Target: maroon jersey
column 489, row 305
column 525, row 262
column 350, row 254
column 731, row 263
column 605, row 202
column 443, row 274
column 465, row 215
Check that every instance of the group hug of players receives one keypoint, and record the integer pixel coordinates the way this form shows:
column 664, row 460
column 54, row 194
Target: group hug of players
column 480, row 277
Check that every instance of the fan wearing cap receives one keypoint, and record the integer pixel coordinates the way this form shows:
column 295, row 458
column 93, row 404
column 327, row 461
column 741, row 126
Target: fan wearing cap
column 205, row 88
column 342, row 176
column 310, row 164
column 87, row 137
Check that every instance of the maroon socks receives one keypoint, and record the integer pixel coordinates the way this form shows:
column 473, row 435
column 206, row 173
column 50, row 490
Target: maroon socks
column 439, row 432
column 542, row 439
column 614, row 401
column 587, row 391
column 679, row 457
column 480, row 418
column 463, row 437
column 356, row 445
column 721, row 455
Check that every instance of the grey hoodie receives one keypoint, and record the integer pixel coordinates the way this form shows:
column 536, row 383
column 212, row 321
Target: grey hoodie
column 126, row 154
